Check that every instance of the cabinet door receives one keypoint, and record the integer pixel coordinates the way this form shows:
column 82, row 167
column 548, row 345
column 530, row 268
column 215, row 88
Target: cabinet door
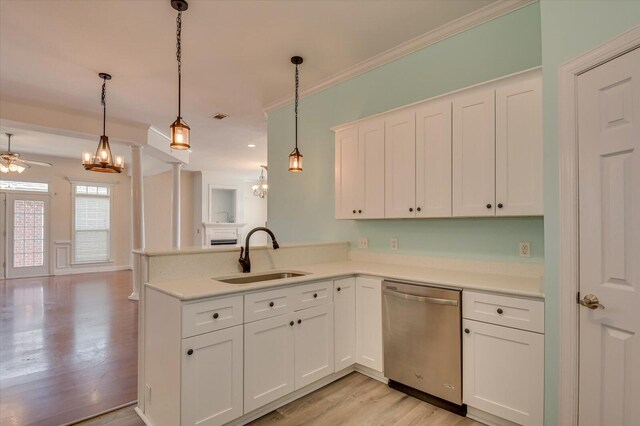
column 503, row 372
column 268, row 361
column 349, row 174
column 212, row 377
column 369, row 323
column 344, row 307
column 519, row 149
column 371, row 145
column 313, row 344
column 474, row 154
column 400, row 164
column 433, row 159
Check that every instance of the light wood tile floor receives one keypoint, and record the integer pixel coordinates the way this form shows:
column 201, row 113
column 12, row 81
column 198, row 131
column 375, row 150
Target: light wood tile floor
column 353, row 400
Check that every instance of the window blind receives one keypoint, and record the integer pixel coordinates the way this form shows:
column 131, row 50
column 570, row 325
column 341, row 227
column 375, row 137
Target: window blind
column 92, row 224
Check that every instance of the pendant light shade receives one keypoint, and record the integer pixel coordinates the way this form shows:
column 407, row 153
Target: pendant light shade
column 180, row 131
column 103, row 161
column 295, row 158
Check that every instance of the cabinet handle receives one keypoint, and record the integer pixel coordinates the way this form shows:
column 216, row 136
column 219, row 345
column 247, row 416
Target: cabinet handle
column 466, row 330
column 410, row 209
column 488, row 206
column 359, row 211
column 271, row 304
column 419, row 209
column 338, row 288
column 299, row 321
column 500, row 311
column 315, row 295
column 354, row 212
column 190, row 352
column 215, row 316
column 291, row 323
column 500, row 205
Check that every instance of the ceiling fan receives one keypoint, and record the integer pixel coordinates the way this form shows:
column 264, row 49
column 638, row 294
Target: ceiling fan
column 10, row 162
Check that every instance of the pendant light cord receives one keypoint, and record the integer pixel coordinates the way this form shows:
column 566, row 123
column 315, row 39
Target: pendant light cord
column 296, row 105
column 9, row 136
column 103, row 101
column 179, row 57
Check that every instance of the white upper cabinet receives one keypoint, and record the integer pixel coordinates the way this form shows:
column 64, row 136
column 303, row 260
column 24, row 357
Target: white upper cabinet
column 400, row 164
column 359, row 171
column 433, row 159
column 519, row 148
column 474, row 154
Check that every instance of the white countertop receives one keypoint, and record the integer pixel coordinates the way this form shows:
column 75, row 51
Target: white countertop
column 204, row 287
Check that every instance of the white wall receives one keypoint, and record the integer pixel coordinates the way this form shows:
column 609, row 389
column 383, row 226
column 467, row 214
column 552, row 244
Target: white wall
column 157, row 210
column 61, row 214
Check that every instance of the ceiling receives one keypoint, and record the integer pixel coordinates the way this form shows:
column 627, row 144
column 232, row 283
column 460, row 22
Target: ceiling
column 235, row 59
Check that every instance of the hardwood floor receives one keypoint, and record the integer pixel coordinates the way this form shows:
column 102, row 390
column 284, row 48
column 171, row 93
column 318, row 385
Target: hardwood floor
column 353, row 400
column 68, row 347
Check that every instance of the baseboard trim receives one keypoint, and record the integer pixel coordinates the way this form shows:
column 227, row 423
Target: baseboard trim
column 74, row 270
column 487, row 418
column 102, row 413
column 142, row 416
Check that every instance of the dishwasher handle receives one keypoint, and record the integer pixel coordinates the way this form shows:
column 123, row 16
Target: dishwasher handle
column 423, row 299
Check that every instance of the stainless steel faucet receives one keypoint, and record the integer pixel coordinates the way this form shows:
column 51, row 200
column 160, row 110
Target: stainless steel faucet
column 244, row 251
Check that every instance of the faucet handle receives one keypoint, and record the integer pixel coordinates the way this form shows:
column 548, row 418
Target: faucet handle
column 241, row 253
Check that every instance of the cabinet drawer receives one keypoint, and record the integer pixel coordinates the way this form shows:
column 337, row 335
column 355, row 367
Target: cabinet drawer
column 211, row 315
column 267, row 304
column 525, row 314
column 314, row 294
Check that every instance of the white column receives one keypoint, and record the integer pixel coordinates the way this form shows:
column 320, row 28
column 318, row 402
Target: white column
column 175, row 202
column 137, row 203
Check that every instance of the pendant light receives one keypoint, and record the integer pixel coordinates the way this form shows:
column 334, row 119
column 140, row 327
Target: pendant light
column 260, row 190
column 295, row 158
column 103, row 160
column 179, row 129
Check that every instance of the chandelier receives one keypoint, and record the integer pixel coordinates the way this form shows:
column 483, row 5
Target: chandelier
column 260, row 190
column 103, row 161
column 179, row 129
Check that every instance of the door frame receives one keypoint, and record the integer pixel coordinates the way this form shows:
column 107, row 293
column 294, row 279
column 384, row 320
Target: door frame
column 569, row 227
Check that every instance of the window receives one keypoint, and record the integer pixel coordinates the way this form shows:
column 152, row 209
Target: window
column 13, row 185
column 92, row 236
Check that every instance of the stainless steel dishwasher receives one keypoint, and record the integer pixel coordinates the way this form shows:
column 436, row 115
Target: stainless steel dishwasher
column 421, row 328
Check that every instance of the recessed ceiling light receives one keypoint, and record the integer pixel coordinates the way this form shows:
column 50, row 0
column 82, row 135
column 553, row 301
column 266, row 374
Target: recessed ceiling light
column 251, row 145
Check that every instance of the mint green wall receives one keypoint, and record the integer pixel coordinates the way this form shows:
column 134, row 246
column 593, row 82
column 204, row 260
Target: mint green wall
column 301, row 206
column 569, row 28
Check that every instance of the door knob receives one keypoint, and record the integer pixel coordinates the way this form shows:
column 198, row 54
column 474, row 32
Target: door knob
column 591, row 301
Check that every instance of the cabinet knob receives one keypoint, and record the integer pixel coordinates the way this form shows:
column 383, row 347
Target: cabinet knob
column 315, row 295
column 500, row 205
column 359, row 211
column 419, row 209
column 354, row 212
column 271, row 304
column 338, row 289
column 466, row 330
column 299, row 321
column 291, row 323
column 500, row 311
column 488, row 206
column 190, row 352
column 410, row 209
column 215, row 316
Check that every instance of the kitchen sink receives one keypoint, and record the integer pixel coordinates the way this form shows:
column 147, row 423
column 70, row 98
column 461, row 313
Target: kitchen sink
column 248, row 279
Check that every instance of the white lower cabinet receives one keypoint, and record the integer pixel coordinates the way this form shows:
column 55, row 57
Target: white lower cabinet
column 212, row 369
column 313, row 344
column 344, row 307
column 369, row 323
column 503, row 367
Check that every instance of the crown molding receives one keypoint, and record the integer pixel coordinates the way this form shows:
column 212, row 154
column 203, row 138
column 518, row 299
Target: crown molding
column 464, row 23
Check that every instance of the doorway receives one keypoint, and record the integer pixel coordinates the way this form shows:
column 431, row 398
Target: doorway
column 600, row 235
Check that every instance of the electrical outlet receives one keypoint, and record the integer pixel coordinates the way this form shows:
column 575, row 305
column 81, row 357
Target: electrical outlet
column 394, row 244
column 525, row 249
column 363, row 243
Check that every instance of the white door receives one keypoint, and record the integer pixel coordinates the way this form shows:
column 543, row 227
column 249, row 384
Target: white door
column 503, row 370
column 212, row 378
column 474, row 154
column 609, row 204
column 400, row 164
column 349, row 174
column 27, row 235
column 268, row 360
column 3, row 235
column 371, row 146
column 433, row 160
column 369, row 323
column 519, row 149
column 344, row 306
column 313, row 344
